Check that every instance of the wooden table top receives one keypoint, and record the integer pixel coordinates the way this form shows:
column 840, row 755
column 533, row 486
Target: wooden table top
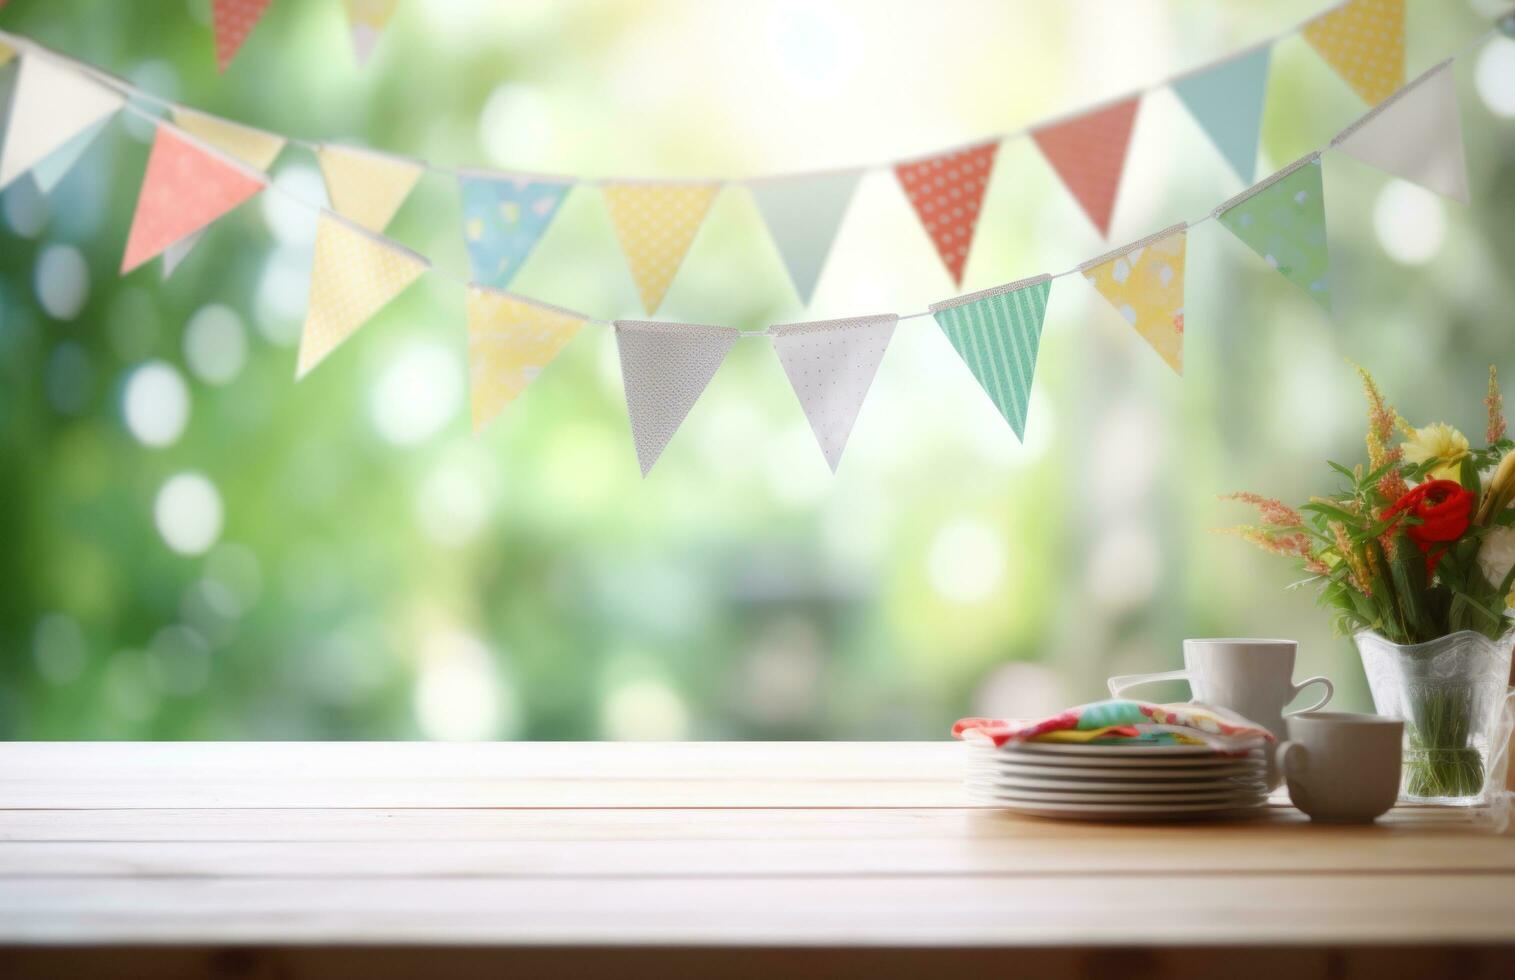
column 318, row 853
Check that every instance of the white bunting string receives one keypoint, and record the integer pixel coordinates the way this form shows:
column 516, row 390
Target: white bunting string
column 25, row 46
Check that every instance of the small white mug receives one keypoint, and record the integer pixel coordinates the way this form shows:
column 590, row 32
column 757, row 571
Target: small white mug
column 1254, row 678
column 1342, row 768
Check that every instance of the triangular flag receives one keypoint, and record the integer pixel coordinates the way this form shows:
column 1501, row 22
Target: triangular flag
column 1416, row 134
column 354, row 275
column 665, row 368
column 51, row 169
column 946, row 192
column 511, row 340
column 185, row 188
column 1227, row 102
column 803, row 215
column 366, row 20
column 1283, row 219
column 233, row 20
column 1145, row 283
column 997, row 333
column 365, row 186
column 1364, row 40
column 831, row 364
column 179, row 251
column 1089, row 155
column 656, row 224
column 51, row 105
column 503, row 217
column 254, row 147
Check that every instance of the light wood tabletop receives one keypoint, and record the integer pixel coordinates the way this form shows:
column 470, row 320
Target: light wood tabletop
column 730, row 859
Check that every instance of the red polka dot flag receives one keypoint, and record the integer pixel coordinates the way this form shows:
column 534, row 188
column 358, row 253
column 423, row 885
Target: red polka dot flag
column 946, row 192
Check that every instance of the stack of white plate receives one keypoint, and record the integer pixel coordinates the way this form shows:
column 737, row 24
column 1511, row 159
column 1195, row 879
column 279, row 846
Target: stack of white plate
column 1117, row 782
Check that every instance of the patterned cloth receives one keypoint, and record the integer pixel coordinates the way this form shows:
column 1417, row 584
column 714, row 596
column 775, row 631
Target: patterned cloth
column 1124, row 723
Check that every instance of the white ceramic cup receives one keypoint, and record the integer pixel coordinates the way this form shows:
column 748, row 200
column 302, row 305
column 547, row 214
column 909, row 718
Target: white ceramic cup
column 1254, row 678
column 1342, row 768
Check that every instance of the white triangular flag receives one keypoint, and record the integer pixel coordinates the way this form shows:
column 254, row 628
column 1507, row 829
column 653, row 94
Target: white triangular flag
column 1416, row 134
column 665, row 368
column 803, row 215
column 831, row 364
column 52, row 104
column 179, row 251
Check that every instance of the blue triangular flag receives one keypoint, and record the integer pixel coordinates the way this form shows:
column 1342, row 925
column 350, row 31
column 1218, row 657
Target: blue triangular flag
column 48, row 172
column 803, row 215
column 503, row 217
column 1227, row 102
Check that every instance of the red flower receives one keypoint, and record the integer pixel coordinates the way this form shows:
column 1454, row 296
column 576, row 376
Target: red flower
column 1444, row 509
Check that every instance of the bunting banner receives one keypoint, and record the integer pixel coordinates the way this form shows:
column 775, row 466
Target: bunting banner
column 1227, row 102
column 1364, row 42
column 511, row 340
column 503, row 218
column 655, row 224
column 366, row 20
column 1145, row 283
column 354, row 275
column 365, row 186
column 1283, row 219
column 1416, row 134
column 254, row 147
column 185, row 188
column 232, row 21
column 803, row 215
column 665, row 367
column 946, row 192
column 831, row 365
column 50, row 105
column 1088, row 154
column 997, row 333
column 48, row 172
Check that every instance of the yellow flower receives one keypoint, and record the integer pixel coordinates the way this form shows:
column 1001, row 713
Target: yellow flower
column 1440, row 442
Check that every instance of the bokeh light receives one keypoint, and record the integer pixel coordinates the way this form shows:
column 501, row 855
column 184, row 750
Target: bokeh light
column 155, row 404
column 1410, row 222
column 419, row 391
column 187, row 512
column 215, row 344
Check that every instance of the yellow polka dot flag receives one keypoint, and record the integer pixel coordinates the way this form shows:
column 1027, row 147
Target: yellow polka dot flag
column 252, row 146
column 365, row 186
column 511, row 340
column 656, row 223
column 1365, row 42
column 1145, row 284
column 355, row 274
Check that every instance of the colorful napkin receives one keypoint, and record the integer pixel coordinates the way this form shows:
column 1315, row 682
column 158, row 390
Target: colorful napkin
column 1124, row 723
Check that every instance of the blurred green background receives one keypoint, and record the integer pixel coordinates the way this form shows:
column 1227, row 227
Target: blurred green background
column 192, row 545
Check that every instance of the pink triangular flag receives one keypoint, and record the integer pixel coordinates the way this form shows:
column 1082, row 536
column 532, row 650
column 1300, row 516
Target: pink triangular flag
column 1089, row 154
column 233, row 21
column 186, row 187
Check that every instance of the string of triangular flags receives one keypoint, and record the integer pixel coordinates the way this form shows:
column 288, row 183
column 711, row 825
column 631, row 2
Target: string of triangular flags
column 232, row 21
column 201, row 167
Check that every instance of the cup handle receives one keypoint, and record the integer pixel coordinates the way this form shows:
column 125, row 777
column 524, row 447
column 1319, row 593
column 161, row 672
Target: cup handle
column 1330, row 690
column 1291, row 757
column 1122, row 683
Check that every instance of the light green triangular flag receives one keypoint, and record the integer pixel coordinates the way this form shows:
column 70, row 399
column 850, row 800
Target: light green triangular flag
column 997, row 332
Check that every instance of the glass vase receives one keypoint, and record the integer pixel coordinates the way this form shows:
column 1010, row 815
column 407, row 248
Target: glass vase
column 1450, row 691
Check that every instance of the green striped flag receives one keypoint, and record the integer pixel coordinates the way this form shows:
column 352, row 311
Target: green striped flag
column 996, row 333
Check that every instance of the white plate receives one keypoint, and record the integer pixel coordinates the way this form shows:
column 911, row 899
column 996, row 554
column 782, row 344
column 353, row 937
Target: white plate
column 1115, row 786
column 1126, row 811
column 1086, row 749
column 1118, row 758
column 1118, row 771
column 1221, row 798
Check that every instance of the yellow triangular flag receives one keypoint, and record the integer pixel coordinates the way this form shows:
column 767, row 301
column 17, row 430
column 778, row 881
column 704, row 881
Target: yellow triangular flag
column 655, row 224
column 1365, row 42
column 253, row 147
column 365, row 186
column 1144, row 281
column 510, row 341
column 355, row 273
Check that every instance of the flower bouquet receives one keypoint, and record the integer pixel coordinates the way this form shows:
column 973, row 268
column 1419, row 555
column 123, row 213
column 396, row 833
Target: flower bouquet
column 1414, row 555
